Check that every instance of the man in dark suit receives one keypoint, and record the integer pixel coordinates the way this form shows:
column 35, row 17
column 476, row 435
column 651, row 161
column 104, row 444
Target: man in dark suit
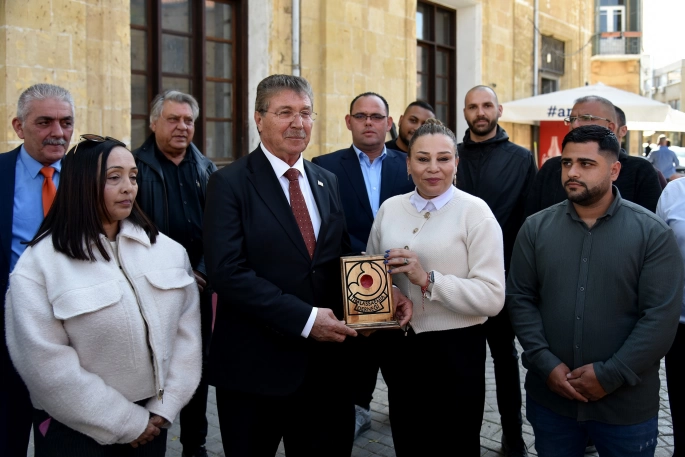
column 274, row 232
column 368, row 174
column 45, row 121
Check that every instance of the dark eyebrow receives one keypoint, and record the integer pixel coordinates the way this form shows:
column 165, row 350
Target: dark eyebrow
column 120, row 167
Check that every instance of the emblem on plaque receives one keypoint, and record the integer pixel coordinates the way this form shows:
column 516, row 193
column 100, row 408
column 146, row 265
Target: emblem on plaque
column 367, row 292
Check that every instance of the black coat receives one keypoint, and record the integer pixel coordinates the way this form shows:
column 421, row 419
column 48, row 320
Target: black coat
column 501, row 173
column 265, row 280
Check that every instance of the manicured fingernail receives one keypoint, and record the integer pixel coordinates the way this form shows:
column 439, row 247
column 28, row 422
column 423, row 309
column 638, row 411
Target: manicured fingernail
column 389, row 271
column 387, row 250
column 385, row 261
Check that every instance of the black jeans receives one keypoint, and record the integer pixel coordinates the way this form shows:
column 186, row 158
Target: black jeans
column 500, row 336
column 449, row 365
column 675, row 379
column 193, row 417
column 60, row 441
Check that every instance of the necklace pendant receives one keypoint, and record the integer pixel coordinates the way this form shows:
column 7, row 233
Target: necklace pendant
column 427, row 215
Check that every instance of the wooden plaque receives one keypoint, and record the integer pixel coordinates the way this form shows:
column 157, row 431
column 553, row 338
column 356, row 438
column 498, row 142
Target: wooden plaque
column 367, row 292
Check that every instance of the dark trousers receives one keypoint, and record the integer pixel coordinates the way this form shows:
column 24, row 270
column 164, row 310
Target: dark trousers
column 675, row 379
column 193, row 417
column 370, row 356
column 16, row 413
column 61, row 441
column 252, row 425
column 500, row 336
column 438, row 392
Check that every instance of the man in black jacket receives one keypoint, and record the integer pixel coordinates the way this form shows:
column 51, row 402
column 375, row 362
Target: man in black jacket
column 172, row 184
column 501, row 173
column 638, row 181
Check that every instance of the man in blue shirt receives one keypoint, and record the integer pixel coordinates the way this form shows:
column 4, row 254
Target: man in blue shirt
column 368, row 174
column 45, row 121
column 665, row 160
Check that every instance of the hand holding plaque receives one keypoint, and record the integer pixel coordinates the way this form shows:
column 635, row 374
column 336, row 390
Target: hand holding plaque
column 367, row 293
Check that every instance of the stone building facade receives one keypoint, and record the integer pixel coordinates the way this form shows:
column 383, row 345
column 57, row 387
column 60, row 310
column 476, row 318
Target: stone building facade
column 345, row 48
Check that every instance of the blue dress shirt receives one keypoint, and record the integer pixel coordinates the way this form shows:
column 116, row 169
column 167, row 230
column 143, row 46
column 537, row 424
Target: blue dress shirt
column 665, row 160
column 27, row 214
column 372, row 176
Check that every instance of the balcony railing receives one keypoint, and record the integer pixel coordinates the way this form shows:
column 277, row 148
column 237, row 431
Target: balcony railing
column 616, row 43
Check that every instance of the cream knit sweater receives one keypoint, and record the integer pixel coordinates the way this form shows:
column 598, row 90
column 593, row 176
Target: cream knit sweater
column 461, row 243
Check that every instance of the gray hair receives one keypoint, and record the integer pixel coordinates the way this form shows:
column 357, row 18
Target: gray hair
column 42, row 92
column 602, row 101
column 433, row 126
column 272, row 85
column 174, row 96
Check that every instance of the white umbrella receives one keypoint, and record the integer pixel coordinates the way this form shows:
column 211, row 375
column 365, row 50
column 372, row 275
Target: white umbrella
column 674, row 122
column 557, row 105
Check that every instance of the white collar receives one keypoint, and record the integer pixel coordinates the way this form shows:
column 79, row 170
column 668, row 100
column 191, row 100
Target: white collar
column 435, row 203
column 279, row 166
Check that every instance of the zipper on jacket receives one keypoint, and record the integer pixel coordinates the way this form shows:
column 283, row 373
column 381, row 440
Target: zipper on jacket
column 160, row 390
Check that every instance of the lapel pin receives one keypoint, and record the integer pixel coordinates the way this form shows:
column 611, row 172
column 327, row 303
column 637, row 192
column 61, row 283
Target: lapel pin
column 319, row 183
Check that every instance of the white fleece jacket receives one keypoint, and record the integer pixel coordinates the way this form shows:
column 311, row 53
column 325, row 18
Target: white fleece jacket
column 461, row 243
column 87, row 349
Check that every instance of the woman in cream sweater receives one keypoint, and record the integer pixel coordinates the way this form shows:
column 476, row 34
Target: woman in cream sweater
column 102, row 315
column 444, row 250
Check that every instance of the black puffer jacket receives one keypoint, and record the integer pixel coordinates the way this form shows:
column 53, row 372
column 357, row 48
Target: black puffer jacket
column 501, row 173
column 152, row 196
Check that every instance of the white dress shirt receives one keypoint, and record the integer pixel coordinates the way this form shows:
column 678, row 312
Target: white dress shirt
column 280, row 167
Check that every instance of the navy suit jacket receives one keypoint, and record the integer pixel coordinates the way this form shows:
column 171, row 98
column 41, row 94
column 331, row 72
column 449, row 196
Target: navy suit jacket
column 266, row 283
column 345, row 165
column 8, row 164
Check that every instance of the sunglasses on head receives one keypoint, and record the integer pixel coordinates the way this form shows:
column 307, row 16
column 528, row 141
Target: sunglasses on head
column 96, row 139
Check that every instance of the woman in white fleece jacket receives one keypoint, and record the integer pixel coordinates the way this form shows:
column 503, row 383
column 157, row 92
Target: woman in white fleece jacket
column 444, row 249
column 102, row 315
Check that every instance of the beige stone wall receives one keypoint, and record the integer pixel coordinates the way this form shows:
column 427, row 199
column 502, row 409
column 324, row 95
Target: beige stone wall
column 348, row 48
column 622, row 74
column 83, row 46
column 508, row 34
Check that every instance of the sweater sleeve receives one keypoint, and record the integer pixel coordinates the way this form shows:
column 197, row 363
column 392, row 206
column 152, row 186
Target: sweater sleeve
column 185, row 365
column 50, row 367
column 482, row 292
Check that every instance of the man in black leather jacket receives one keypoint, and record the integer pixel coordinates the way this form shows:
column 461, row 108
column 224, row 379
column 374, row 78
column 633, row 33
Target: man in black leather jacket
column 501, row 173
column 172, row 184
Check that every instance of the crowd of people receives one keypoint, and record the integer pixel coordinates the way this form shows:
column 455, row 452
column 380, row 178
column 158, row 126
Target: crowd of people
column 111, row 259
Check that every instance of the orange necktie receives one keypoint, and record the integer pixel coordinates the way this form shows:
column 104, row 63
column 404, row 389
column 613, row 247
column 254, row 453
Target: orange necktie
column 49, row 189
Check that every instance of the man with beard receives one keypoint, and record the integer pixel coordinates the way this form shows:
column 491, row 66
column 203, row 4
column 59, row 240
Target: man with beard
column 588, row 305
column 29, row 177
column 501, row 173
column 638, row 180
column 414, row 116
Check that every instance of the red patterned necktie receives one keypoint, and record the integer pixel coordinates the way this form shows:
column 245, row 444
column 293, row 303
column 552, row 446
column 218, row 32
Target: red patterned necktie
column 300, row 210
column 49, row 189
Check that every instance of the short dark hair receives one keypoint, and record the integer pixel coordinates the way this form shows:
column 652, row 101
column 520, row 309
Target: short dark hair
column 371, row 94
column 605, row 139
column 420, row 104
column 74, row 219
column 620, row 116
column 433, row 126
column 274, row 84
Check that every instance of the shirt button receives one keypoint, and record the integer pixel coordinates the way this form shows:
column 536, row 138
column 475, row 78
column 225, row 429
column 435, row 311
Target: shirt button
column 578, row 317
column 589, row 233
column 585, row 259
column 582, row 289
column 185, row 202
column 577, row 346
column 416, row 230
column 181, row 184
column 406, row 247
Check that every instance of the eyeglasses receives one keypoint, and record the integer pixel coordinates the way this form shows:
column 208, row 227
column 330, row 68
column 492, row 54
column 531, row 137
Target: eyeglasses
column 584, row 118
column 289, row 116
column 363, row 117
column 96, row 139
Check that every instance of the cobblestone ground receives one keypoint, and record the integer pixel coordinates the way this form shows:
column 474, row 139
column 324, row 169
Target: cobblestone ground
column 378, row 440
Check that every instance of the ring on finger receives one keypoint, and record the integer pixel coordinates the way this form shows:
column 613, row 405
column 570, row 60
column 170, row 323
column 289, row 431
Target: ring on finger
column 406, row 261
